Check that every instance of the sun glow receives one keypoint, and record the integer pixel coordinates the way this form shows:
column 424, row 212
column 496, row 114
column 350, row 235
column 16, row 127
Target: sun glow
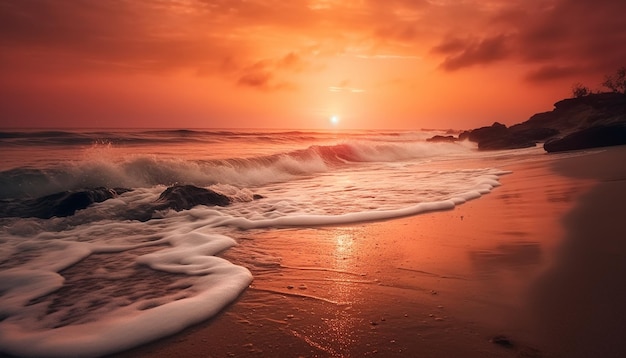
column 334, row 119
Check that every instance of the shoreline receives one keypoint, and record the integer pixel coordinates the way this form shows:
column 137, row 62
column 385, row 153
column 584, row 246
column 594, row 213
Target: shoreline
column 476, row 281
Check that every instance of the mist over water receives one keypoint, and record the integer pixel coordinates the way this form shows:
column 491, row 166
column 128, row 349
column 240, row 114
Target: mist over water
column 305, row 178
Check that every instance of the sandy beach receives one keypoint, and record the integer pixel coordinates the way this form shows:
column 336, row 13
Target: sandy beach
column 533, row 269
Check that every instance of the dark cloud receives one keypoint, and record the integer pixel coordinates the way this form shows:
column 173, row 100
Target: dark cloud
column 267, row 74
column 560, row 38
column 464, row 54
column 256, row 78
column 451, row 45
column 552, row 72
column 575, row 37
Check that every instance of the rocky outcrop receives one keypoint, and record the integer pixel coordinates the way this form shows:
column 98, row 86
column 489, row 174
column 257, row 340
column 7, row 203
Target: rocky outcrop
column 568, row 117
column 488, row 133
column 498, row 136
column 592, row 137
column 59, row 204
column 573, row 114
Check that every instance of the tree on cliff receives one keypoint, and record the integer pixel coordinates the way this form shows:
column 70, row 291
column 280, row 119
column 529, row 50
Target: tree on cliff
column 579, row 90
column 617, row 81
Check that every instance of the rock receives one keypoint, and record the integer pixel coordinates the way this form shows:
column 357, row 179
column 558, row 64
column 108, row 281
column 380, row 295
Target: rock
column 59, row 204
column 592, row 137
column 573, row 114
column 441, row 138
column 569, row 116
column 498, row 136
column 534, row 134
column 515, row 138
column 178, row 198
column 482, row 134
column 507, row 141
column 503, row 341
column 185, row 197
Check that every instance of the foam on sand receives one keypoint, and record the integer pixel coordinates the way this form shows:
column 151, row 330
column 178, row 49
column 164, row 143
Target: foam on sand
column 216, row 282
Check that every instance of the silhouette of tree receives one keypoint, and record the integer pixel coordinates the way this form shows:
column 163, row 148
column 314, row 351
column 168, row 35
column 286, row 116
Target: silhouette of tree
column 617, row 81
column 579, row 90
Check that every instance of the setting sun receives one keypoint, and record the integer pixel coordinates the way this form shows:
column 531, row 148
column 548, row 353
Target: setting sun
column 334, row 120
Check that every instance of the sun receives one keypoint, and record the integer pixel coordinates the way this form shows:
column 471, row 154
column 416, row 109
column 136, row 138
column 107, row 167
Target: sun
column 334, row 119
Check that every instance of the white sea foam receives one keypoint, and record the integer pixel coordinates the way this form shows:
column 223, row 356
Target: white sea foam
column 109, row 167
column 124, row 324
column 130, row 325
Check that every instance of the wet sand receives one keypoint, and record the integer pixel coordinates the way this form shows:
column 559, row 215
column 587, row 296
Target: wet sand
column 533, row 269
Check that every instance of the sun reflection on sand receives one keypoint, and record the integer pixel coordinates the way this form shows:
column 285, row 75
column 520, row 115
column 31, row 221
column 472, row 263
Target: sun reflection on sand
column 344, row 322
column 343, row 250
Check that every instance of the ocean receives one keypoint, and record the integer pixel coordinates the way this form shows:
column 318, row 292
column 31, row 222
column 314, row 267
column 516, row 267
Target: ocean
column 100, row 281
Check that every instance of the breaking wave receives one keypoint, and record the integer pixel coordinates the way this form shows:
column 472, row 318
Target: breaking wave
column 136, row 171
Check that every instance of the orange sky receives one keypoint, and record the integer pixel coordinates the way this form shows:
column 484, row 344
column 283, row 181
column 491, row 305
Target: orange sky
column 397, row 64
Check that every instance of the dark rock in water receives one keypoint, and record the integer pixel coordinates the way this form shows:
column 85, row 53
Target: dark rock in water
column 257, row 196
column 178, row 198
column 592, row 137
column 441, row 138
column 184, row 197
column 498, row 136
column 60, row 204
column 492, row 132
column 503, row 341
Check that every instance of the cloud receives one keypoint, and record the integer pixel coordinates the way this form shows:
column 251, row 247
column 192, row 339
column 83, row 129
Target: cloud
column 258, row 77
column 268, row 74
column 551, row 72
column 228, row 37
column 559, row 38
column 462, row 54
column 109, row 35
column 450, row 46
column 574, row 37
column 292, row 62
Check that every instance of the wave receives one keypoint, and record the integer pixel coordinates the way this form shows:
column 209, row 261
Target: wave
column 134, row 171
column 68, row 138
column 82, row 138
column 185, row 136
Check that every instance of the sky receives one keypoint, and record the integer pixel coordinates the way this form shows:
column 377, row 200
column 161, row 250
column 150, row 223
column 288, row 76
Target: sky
column 371, row 64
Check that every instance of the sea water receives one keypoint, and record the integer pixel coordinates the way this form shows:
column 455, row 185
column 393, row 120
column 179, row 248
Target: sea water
column 142, row 280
